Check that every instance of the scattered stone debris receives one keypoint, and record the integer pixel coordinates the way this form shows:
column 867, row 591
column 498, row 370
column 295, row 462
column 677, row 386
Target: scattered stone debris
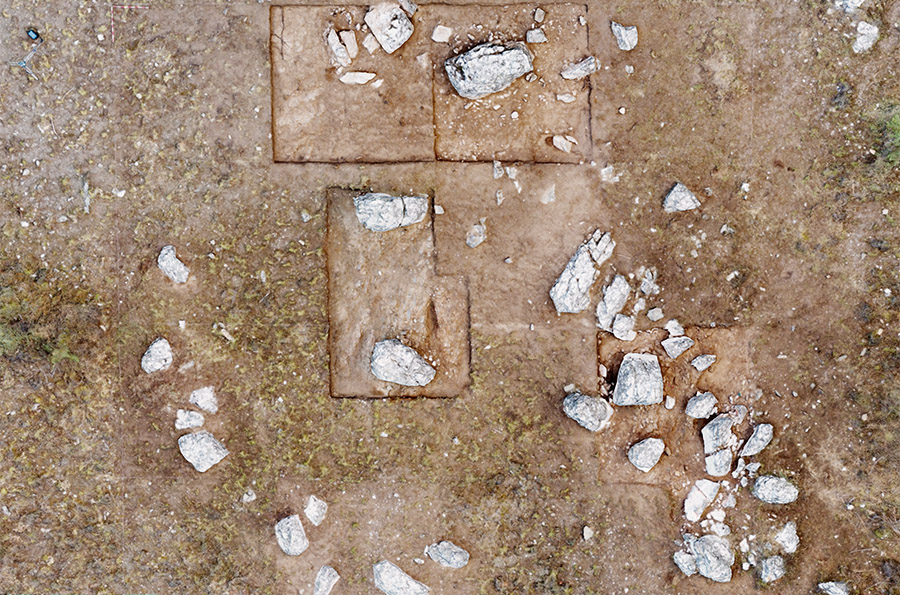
column 570, row 293
column 290, row 535
column 834, row 588
column 702, row 493
column 787, row 538
column 392, row 361
column 713, row 557
column 157, row 357
column 771, row 569
column 702, row 362
column 205, row 399
column 389, row 579
column 623, row 327
column 592, row 413
column 581, row 69
column 409, row 6
column 626, row 37
column 680, row 199
column 356, row 78
column 685, row 563
column 390, row 25
column 639, row 381
column 866, row 36
column 674, row 328
column 248, row 496
column 539, row 15
column 169, row 264
column 315, row 510
column 185, row 419
column 762, row 435
column 535, row 36
column 202, row 450
column 348, row 38
column 645, row 454
column 772, row 489
column 326, row 579
column 562, row 143
column 587, row 533
column 701, row 405
column 441, row 34
column 447, row 553
column 675, row 346
column 655, row 314
column 717, row 433
column 718, row 464
column 339, row 54
column 382, row 212
column 488, row 68
column 614, row 297
column 477, row 234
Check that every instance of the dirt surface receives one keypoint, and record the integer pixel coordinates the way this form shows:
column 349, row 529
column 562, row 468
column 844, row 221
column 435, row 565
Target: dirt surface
column 788, row 273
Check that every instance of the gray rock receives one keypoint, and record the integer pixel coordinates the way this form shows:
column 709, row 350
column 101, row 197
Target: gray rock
column 290, row 535
column 392, row 581
column 718, row 464
column 701, row 405
column 592, row 413
column 702, row 362
column 787, row 538
column 866, row 36
column 702, row 493
column 382, row 212
column 774, row 490
column 680, row 199
column 339, row 54
column 623, row 327
column 390, row 25
column 185, row 419
column 645, row 454
column 205, row 399
column 535, row 36
column 202, row 450
column 849, row 6
column 392, row 361
column 476, row 235
column 675, row 346
column 581, row 69
column 326, row 579
column 488, row 68
column 714, row 558
column 648, row 282
column 639, row 381
column 759, row 439
column 626, row 37
column 409, row 6
column 157, row 357
column 771, row 569
column 674, row 328
column 169, row 264
column 614, row 298
column 670, row 402
column 717, row 433
column 834, row 588
column 655, row 314
column 447, row 553
column 315, row 510
column 685, row 563
column 571, row 292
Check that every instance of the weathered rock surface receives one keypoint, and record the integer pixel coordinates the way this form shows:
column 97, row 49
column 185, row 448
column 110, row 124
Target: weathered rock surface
column 685, row 563
column 447, row 553
column 356, row 77
column 759, row 439
column 535, row 36
column 702, row 362
column 702, row 493
column 645, row 454
column 202, row 450
column 476, row 235
column 581, row 69
column 674, row 328
column 592, row 413
column 679, row 198
column 675, row 346
column 771, row 569
column 623, row 327
column 571, row 292
column 390, row 25
column 718, row 464
column 205, row 399
column 717, row 433
column 186, row 419
column 382, row 212
column 389, row 579
column 614, row 298
column 714, row 557
column 290, row 535
column 488, row 68
column 326, row 579
column 392, row 361
column 774, row 490
column 639, row 381
column 834, row 588
column 169, row 264
column 315, row 510
column 158, row 356
column 339, row 54
column 701, row 405
column 787, row 538
column 626, row 37
column 866, row 36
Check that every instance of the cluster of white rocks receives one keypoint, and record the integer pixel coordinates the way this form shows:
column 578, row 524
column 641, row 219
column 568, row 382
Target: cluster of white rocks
column 200, row 449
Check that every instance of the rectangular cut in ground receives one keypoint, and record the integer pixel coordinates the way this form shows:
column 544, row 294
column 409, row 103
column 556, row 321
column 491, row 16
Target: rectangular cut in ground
column 317, row 118
column 383, row 285
column 518, row 123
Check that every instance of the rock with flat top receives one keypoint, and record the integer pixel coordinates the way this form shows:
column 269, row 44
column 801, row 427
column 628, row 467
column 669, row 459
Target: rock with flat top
column 326, row 579
column 390, row 25
column 389, row 579
column 718, row 464
column 702, row 493
column 834, row 588
column 759, row 439
column 488, row 68
column 290, row 535
column 571, row 292
column 714, row 558
column 447, row 553
column 626, row 37
column 701, row 405
column 717, row 433
column 315, row 510
column 158, row 356
column 169, row 264
column 392, row 361
column 639, row 381
column 185, row 419
column 202, row 450
column 679, row 198
column 771, row 569
column 592, row 413
column 702, row 362
column 381, row 212
column 772, row 489
column 614, row 298
column 581, row 69
column 787, row 538
column 645, row 454
column 675, row 346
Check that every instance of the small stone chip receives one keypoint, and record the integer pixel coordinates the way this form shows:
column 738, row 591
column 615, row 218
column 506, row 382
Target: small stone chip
column 370, row 43
column 441, row 34
column 679, row 198
column 339, row 54
column 535, row 36
column 702, row 362
column 771, row 569
column 655, row 314
column 774, row 490
column 447, row 553
column 315, row 510
column 581, row 69
column 675, row 346
column 326, row 579
column 539, row 15
column 169, row 264
column 476, row 235
column 348, row 38
column 562, row 143
column 626, row 37
column 356, row 78
column 185, row 419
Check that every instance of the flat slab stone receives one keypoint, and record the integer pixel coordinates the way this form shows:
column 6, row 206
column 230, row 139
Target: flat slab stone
column 679, row 199
column 202, row 450
column 701, row 405
column 675, row 346
column 645, row 454
column 759, row 439
column 389, row 579
column 326, row 579
column 381, row 212
column 772, row 489
column 315, row 510
column 158, row 356
column 488, row 68
column 702, row 493
column 447, row 553
column 290, row 535
column 169, row 264
column 571, row 292
column 626, row 36
column 714, row 557
column 639, row 381
column 592, row 413
column 392, row 361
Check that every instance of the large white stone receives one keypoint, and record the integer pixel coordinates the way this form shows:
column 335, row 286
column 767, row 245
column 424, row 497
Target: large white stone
column 774, row 490
column 447, row 553
column 701, row 405
column 645, row 454
column 488, row 68
column 169, row 264
column 158, row 356
column 639, row 381
column 787, row 538
column 389, row 579
column 382, row 212
column 626, row 37
column 714, row 557
column 592, row 413
column 717, row 433
column 615, row 295
column 699, row 498
column 571, row 292
column 759, row 439
column 390, row 25
column 679, row 198
column 202, row 450
column 326, row 579
column 290, row 535
column 392, row 361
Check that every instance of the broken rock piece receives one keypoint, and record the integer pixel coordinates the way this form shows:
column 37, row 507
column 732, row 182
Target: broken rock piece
column 645, row 454
column 535, row 36
column 675, row 346
column 701, row 495
column 202, row 450
column 392, row 361
column 488, row 68
column 447, row 553
column 348, row 38
column 185, row 419
column 390, row 25
column 762, row 435
column 866, row 36
column 592, row 413
column 476, row 235
column 382, row 212
column 717, row 433
column 702, row 362
column 290, row 535
column 571, row 291
column 614, row 297
column 626, row 37
column 370, row 43
column 441, row 34
column 169, row 264
column 701, row 405
column 774, row 490
column 315, row 510
column 339, row 54
column 787, row 538
column 680, row 199
column 771, row 569
column 562, row 143
column 639, row 381
column 581, row 69
column 623, row 328
column 714, row 558
column 718, row 464
column 157, row 357
column 205, row 399
column 356, row 78
column 389, row 579
column 326, row 579
column 685, row 563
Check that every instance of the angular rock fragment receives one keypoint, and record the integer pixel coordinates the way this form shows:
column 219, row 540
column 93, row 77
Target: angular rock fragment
column 488, row 68
column 714, row 558
column 670, row 402
column 392, row 361
column 645, row 454
column 701, row 405
column 447, row 553
column 787, row 538
column 674, row 328
column 702, row 493
column 571, row 291
column 759, row 439
column 476, row 235
column 655, row 314
column 389, row 579
column 623, row 327
column 169, row 264
column 675, row 346
column 326, row 579
column 639, row 381
column 290, row 535
column 648, row 282
column 381, row 212
column 581, row 69
column 866, row 36
column 205, row 399
column 390, row 25
column 539, row 15
column 202, row 450
column 348, row 38
column 702, row 362
column 157, row 357
column 771, row 569
column 685, row 563
column 441, row 34
column 834, row 588
column 614, row 297
column 774, row 490
column 717, row 433
column 718, row 464
column 592, row 413
column 626, row 37
column 339, row 54
column 315, row 510
column 535, row 36
column 370, row 43
column 562, row 143
column 409, row 6
column 679, row 198
column 185, row 419
column 356, row 78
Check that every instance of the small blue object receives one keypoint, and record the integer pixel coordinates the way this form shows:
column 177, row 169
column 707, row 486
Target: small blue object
column 33, row 33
